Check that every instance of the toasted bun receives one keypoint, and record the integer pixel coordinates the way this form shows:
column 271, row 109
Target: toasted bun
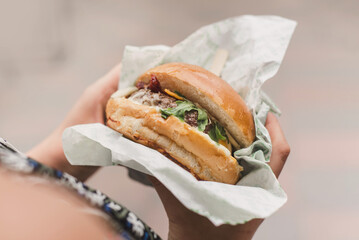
column 210, row 92
column 179, row 141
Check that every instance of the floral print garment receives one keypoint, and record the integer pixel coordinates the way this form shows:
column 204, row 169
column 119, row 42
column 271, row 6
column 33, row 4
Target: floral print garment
column 125, row 222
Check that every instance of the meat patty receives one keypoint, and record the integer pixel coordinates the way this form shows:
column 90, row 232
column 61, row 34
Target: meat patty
column 149, row 98
column 191, row 117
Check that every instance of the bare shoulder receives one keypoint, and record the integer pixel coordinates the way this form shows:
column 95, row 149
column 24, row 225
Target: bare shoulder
column 35, row 208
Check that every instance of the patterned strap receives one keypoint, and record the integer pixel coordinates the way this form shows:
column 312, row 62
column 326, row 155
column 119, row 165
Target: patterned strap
column 125, row 222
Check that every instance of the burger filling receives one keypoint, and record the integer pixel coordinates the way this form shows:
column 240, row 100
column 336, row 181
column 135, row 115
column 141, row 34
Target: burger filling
column 173, row 103
column 150, row 98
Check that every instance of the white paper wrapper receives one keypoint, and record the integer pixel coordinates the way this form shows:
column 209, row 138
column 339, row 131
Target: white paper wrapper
column 256, row 46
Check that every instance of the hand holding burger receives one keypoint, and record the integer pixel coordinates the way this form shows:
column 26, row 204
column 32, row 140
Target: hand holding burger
column 185, row 224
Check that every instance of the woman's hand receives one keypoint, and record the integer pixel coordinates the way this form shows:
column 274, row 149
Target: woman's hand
column 90, row 108
column 185, row 224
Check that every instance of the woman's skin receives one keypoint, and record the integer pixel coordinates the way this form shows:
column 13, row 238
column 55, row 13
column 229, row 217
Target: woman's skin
column 90, row 108
column 183, row 223
column 35, row 208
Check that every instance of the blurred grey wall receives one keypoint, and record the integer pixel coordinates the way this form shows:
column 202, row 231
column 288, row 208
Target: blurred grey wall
column 50, row 50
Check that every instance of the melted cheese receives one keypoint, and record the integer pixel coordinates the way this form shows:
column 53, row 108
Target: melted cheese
column 172, row 94
column 226, row 144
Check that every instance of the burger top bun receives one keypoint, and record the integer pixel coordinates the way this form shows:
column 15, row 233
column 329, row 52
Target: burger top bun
column 210, row 92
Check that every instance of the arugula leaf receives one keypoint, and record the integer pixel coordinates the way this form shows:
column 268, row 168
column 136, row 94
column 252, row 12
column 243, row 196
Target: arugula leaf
column 179, row 111
column 217, row 132
column 202, row 119
column 182, row 108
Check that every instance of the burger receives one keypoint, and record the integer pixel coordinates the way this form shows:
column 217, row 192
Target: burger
column 190, row 115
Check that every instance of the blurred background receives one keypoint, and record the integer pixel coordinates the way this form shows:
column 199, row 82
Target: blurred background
column 50, row 50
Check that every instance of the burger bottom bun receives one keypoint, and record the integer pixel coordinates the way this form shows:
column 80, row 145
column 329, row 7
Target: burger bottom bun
column 192, row 149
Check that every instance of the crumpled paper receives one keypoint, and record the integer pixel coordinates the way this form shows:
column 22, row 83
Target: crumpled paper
column 256, row 46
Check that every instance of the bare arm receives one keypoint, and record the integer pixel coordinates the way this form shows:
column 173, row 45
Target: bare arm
column 89, row 108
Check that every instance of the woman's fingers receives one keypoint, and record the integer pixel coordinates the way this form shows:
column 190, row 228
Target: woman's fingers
column 111, row 79
column 101, row 90
column 280, row 146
